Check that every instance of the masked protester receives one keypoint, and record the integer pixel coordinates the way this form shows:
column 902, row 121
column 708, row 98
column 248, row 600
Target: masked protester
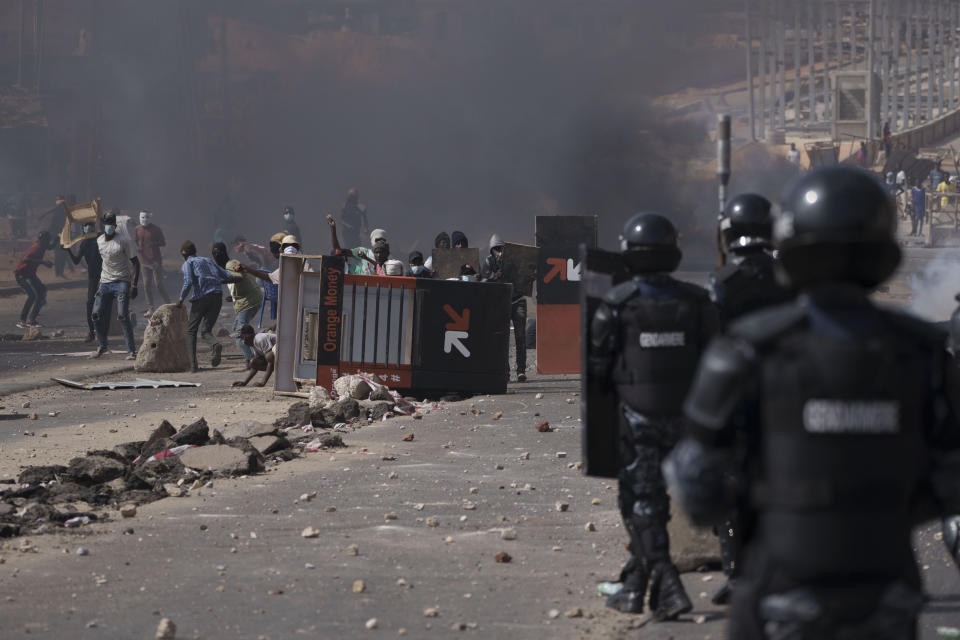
column 205, row 278
column 25, row 274
column 417, row 267
column 492, row 271
column 150, row 240
column 290, row 226
column 363, row 260
column 119, row 276
column 89, row 252
column 289, row 246
column 353, row 219
column 219, row 254
column 746, row 283
column 646, row 338
column 830, row 424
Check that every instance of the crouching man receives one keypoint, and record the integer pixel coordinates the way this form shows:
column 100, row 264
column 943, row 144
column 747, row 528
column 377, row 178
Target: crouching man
column 264, row 359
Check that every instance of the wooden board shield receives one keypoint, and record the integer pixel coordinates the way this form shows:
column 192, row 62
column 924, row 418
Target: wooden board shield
column 520, row 267
column 447, row 262
column 79, row 214
column 599, row 407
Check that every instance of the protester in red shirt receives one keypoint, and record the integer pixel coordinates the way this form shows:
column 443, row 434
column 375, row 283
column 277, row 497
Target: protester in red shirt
column 149, row 239
column 26, row 276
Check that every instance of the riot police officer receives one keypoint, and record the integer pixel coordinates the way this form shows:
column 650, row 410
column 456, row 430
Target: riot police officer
column 747, row 282
column 645, row 340
column 846, row 414
column 744, row 284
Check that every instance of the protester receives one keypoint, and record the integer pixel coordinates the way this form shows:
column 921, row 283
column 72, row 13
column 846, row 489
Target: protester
column 205, row 278
column 290, row 227
column 417, row 268
column 149, row 238
column 90, row 253
column 219, row 254
column 25, row 274
column 58, row 217
column 948, row 185
column 361, row 260
column 255, row 254
column 264, row 348
column 289, row 246
column 937, row 175
column 887, row 139
column 353, row 219
column 119, row 276
column 459, row 240
column 492, row 270
column 442, row 241
column 246, row 296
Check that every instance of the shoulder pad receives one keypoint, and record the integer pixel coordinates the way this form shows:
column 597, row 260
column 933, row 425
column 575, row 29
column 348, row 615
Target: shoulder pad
column 620, row 293
column 720, row 384
column 762, row 326
column 690, row 289
column 927, row 333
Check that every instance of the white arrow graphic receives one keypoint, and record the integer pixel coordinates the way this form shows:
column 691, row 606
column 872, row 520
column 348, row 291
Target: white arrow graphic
column 573, row 270
column 452, row 339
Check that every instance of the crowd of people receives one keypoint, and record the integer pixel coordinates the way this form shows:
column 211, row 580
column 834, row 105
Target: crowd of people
column 117, row 259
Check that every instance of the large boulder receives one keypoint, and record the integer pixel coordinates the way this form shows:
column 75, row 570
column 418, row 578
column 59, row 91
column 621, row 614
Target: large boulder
column 352, row 386
column 164, row 347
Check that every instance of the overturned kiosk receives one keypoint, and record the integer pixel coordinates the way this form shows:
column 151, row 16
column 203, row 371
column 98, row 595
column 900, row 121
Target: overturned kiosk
column 413, row 334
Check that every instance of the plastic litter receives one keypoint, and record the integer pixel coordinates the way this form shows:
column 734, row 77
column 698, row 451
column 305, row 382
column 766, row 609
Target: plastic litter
column 77, row 521
column 609, row 588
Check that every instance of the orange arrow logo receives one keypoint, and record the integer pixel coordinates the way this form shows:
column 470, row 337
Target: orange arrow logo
column 460, row 323
column 559, row 268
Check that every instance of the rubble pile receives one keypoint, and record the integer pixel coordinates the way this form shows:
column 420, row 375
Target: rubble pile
column 170, row 462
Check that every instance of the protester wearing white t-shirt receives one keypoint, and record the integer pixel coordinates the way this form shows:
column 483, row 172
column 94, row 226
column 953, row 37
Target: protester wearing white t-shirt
column 119, row 277
column 265, row 354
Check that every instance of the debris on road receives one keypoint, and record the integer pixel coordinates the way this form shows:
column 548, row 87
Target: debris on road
column 166, row 630
column 544, row 427
column 310, row 532
column 503, row 557
column 139, row 383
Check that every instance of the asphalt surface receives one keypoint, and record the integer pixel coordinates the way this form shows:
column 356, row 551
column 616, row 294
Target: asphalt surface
column 230, row 561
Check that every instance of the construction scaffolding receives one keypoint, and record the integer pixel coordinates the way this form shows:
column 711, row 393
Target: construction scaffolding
column 799, row 54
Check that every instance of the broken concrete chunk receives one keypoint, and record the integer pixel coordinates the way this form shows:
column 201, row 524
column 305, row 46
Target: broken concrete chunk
column 36, row 475
column 96, row 469
column 319, row 398
column 352, row 386
column 166, row 630
column 128, row 510
column 164, row 346
column 164, row 430
column 381, row 393
column 220, row 458
column 246, row 429
column 195, row 433
column 269, row 444
column 310, row 532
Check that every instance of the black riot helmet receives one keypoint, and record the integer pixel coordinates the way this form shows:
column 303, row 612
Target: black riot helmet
column 836, row 224
column 747, row 223
column 649, row 244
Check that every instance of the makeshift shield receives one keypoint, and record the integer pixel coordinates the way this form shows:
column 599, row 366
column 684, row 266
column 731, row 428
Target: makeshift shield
column 79, row 214
column 598, row 409
column 520, row 267
column 447, row 262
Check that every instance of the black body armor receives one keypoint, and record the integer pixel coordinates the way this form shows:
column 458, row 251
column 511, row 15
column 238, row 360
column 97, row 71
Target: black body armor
column 746, row 284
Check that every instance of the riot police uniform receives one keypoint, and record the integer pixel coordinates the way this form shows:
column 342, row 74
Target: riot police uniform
column 846, row 415
column 646, row 338
column 746, row 283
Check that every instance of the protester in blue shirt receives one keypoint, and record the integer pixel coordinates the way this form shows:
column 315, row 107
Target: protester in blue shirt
column 205, row 278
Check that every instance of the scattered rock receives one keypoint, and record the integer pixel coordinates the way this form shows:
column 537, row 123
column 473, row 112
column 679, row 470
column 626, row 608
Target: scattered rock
column 310, row 532
column 560, row 505
column 307, row 497
column 33, row 333
column 353, row 550
column 219, row 458
column 503, row 557
column 543, row 427
column 432, row 522
column 330, row 509
column 561, row 454
column 33, row 416
column 590, row 526
column 431, row 612
column 25, row 405
column 508, row 534
column 553, row 613
column 222, row 332
column 359, row 586
column 371, row 624
column 245, row 429
column 194, row 433
column 595, row 501
column 407, row 438
column 36, row 475
column 95, row 469
column 352, row 386
column 128, row 510
column 164, row 346
column 525, row 455
column 83, row 551
column 166, row 630
column 319, row 398
column 381, row 393
column 497, row 415
column 576, row 612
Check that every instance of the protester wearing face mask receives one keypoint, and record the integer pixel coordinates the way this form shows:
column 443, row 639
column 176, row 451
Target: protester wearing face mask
column 417, row 267
column 150, row 239
column 119, row 277
column 89, row 252
column 289, row 246
column 205, row 279
column 26, row 276
column 290, row 227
